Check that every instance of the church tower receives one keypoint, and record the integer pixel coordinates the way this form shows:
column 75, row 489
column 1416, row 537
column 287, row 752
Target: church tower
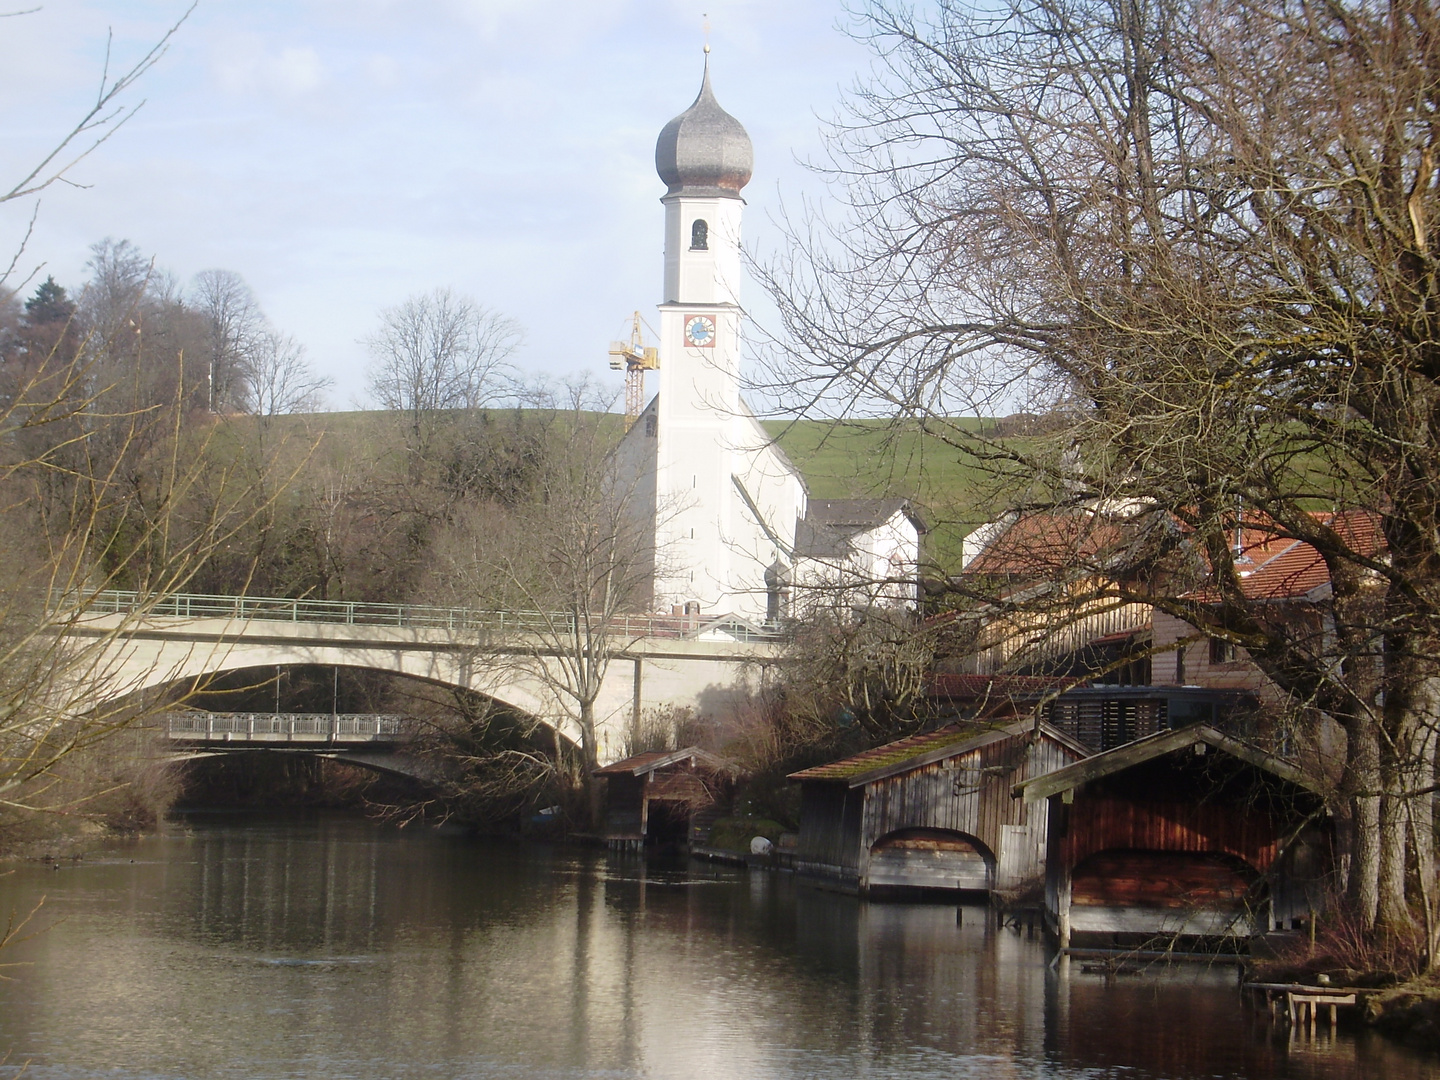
column 725, row 502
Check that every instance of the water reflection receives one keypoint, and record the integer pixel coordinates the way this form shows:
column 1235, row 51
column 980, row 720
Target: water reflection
column 331, row 947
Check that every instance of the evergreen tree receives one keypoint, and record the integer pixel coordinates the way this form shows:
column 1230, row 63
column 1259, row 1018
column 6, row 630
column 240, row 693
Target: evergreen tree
column 50, row 304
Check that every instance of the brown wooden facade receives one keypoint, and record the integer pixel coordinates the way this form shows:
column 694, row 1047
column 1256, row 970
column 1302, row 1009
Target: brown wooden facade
column 665, row 796
column 931, row 812
column 1188, row 833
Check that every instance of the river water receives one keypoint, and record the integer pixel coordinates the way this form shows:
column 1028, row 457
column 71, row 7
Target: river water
column 232, row 946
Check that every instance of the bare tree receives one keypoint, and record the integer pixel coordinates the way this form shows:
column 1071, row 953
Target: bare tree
column 438, row 354
column 1202, row 233
column 77, row 525
column 235, row 330
column 120, row 283
column 97, row 488
column 143, row 344
column 575, row 558
column 279, row 379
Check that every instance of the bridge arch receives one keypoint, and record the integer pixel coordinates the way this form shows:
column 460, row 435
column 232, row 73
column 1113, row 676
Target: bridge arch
column 709, row 667
column 386, row 763
column 155, row 665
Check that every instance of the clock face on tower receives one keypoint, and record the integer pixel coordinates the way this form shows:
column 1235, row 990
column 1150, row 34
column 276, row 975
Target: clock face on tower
column 700, row 332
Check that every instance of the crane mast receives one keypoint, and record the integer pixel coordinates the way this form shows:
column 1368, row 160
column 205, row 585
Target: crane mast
column 635, row 358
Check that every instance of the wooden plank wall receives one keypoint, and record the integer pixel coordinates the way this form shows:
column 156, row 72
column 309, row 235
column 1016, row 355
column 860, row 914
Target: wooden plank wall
column 971, row 794
column 1161, row 879
column 1099, row 823
column 624, row 806
column 829, row 844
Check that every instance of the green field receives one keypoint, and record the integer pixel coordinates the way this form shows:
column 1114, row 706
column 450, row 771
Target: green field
column 854, row 459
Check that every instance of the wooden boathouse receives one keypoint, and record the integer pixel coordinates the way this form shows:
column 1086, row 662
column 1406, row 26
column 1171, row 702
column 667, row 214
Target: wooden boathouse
column 1186, row 834
column 665, row 796
column 931, row 812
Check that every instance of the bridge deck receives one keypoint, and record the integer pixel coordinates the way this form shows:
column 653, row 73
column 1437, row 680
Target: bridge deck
column 292, row 730
column 352, row 613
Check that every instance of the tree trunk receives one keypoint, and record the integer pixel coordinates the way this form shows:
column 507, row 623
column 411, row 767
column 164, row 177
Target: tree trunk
column 1392, row 912
column 1422, row 807
column 1362, row 774
column 591, row 753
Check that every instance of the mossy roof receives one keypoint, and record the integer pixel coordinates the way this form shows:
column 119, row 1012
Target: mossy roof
column 895, row 753
column 918, row 751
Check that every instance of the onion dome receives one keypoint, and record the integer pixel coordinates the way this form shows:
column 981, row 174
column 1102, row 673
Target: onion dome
column 704, row 151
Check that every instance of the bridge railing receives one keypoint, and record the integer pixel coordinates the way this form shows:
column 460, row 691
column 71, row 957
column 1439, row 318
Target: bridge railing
column 355, row 612
column 206, row 725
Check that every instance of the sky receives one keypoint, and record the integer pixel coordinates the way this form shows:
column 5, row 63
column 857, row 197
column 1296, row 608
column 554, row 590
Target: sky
column 342, row 155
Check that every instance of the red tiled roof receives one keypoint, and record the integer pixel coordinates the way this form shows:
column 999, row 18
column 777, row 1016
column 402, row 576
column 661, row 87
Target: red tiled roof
column 1271, row 567
column 1037, row 544
column 1283, row 568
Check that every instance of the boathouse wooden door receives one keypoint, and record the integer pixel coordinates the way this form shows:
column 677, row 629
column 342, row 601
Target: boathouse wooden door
column 929, row 859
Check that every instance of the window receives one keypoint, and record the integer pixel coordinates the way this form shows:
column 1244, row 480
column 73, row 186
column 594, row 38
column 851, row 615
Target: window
column 699, row 235
column 777, row 592
column 1221, row 652
column 651, row 426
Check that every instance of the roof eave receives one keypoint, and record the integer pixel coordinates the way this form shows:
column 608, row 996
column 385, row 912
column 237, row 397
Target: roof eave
column 1151, row 747
column 940, row 753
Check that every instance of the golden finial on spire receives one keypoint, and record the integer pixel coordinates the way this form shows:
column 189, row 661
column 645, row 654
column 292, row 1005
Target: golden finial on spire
column 706, row 25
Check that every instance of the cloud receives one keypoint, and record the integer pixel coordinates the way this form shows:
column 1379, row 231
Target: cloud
column 248, row 66
column 342, row 154
column 383, row 71
column 297, row 70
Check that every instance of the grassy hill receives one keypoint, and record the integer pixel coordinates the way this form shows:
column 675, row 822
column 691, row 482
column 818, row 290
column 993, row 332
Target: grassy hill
column 870, row 459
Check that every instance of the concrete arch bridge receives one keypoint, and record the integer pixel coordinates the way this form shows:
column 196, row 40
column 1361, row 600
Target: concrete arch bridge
column 515, row 658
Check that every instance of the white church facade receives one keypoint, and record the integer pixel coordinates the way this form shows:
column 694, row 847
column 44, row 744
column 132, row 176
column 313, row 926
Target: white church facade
column 730, row 514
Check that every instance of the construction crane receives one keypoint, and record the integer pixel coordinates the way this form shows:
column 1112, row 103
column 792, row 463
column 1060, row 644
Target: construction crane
column 634, row 358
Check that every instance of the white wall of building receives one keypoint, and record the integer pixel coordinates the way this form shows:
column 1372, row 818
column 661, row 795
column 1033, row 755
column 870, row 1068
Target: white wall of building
column 881, row 567
column 714, row 549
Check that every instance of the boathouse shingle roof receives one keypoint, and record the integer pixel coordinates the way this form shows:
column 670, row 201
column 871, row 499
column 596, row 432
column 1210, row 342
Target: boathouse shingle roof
column 918, row 750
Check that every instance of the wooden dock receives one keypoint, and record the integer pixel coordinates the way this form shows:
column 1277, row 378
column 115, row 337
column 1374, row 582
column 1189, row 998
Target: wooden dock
column 1302, row 1001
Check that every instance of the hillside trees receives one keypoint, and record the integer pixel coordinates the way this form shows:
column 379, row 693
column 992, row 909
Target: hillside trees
column 99, row 493
column 1203, row 234
column 437, row 356
column 131, row 342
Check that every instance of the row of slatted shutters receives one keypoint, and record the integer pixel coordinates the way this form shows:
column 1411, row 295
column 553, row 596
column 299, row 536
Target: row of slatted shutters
column 1105, row 723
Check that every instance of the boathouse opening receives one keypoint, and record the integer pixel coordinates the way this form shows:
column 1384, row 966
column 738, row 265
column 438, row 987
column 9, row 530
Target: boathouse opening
column 1127, row 891
column 930, row 859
